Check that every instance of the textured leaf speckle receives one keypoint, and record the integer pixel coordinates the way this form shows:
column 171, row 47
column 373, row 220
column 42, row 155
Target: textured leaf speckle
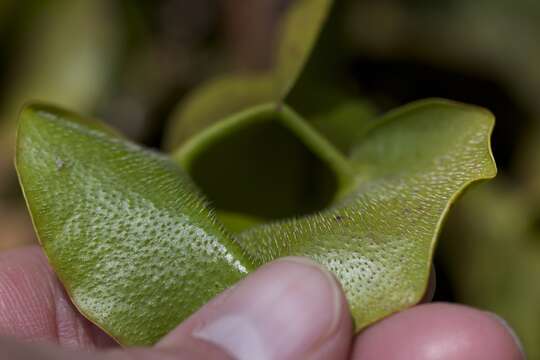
column 139, row 249
column 124, row 227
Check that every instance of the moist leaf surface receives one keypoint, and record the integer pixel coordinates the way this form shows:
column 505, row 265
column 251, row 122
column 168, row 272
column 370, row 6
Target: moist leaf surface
column 379, row 239
column 139, row 249
column 130, row 237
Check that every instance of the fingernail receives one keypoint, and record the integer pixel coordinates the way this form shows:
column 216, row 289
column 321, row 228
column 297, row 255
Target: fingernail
column 511, row 331
column 282, row 311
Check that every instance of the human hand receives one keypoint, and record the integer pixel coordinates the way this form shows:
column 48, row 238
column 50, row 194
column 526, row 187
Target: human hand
column 289, row 309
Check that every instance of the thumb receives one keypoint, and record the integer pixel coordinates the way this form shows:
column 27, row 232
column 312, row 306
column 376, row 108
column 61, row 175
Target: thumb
column 288, row 309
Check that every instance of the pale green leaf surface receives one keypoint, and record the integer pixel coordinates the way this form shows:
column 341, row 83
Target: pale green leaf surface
column 128, row 234
column 134, row 242
column 379, row 239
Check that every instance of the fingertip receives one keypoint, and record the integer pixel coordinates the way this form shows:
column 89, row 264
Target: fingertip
column 438, row 331
column 289, row 309
column 34, row 306
column 25, row 295
column 30, row 255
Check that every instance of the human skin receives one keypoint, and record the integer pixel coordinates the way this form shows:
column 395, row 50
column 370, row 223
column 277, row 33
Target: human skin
column 288, row 309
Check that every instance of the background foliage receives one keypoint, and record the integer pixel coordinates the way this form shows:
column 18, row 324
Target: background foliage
column 131, row 62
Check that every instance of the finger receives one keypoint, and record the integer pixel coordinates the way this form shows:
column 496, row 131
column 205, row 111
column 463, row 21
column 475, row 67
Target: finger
column 34, row 306
column 439, row 331
column 13, row 350
column 289, row 309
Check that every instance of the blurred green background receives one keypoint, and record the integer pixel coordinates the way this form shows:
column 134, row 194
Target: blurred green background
column 131, row 62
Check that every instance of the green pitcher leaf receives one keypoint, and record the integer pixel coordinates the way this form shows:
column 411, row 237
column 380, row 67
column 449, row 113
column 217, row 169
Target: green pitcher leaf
column 232, row 93
column 379, row 238
column 128, row 234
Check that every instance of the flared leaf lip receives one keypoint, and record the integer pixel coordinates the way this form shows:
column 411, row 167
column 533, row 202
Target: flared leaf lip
column 489, row 174
column 41, row 106
column 418, row 104
column 44, row 112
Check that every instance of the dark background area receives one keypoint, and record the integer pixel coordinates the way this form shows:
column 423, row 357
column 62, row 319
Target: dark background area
column 132, row 62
